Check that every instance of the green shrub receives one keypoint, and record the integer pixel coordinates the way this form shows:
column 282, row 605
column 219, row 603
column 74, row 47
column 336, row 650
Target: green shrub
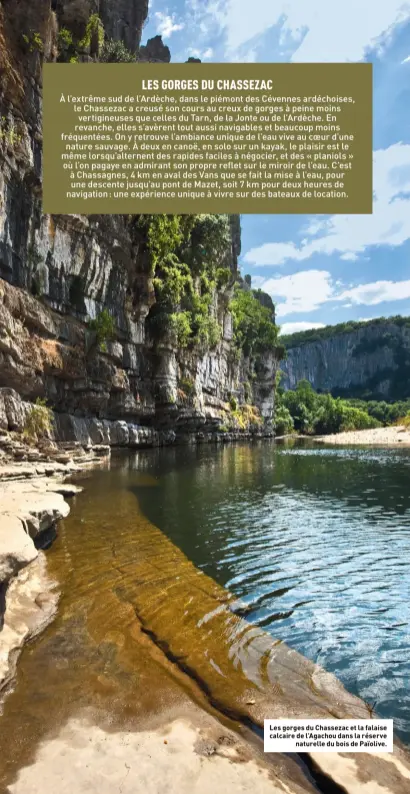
column 321, row 414
column 254, row 330
column 233, row 402
column 180, row 324
column 94, row 26
column 33, row 42
column 65, row 45
column 103, row 327
column 38, row 422
column 283, row 421
column 116, row 52
column 8, row 133
column 223, row 276
column 187, row 385
column 185, row 255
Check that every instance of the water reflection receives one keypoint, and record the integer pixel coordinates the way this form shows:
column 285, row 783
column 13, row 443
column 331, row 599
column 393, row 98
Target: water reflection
column 314, row 541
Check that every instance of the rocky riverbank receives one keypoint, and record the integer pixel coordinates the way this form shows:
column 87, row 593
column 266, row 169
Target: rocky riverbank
column 33, row 498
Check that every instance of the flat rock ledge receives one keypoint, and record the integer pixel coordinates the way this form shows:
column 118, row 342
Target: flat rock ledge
column 32, row 500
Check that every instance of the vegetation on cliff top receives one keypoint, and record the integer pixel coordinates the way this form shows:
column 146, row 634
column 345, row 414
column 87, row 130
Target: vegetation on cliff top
column 254, row 329
column 189, row 258
column 318, row 334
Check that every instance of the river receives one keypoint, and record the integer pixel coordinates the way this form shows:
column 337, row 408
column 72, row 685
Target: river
column 314, row 542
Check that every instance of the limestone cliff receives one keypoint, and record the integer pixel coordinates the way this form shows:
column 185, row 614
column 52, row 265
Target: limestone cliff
column 58, row 273
column 366, row 360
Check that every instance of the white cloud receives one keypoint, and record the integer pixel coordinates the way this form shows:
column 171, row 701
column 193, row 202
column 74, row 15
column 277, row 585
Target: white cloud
column 307, row 290
column 349, row 257
column 377, row 292
column 302, row 292
column 293, row 328
column 166, row 24
column 351, row 235
column 406, row 60
column 195, row 53
column 333, row 31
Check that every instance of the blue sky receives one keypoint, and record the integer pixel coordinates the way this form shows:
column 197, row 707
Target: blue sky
column 319, row 269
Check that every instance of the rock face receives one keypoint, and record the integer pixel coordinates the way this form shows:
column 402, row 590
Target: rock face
column 155, row 51
column 123, row 19
column 59, row 272
column 370, row 361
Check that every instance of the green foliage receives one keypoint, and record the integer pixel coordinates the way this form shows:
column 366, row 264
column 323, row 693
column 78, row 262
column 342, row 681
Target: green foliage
column 180, row 324
column 116, row 52
column 164, row 235
column 66, row 47
column 317, row 334
column 33, row 42
column 94, row 26
column 223, row 276
column 336, row 415
column 8, row 133
column 208, row 242
column 186, row 255
column 187, row 385
column 233, row 402
column 283, row 421
column 245, row 417
column 65, row 38
column 254, row 330
column 103, row 327
column 385, row 413
column 38, row 422
column 320, row 414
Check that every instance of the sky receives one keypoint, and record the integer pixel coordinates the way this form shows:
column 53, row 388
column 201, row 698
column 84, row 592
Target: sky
column 319, row 269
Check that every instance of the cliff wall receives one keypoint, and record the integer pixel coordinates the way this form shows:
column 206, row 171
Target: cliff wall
column 59, row 273
column 367, row 360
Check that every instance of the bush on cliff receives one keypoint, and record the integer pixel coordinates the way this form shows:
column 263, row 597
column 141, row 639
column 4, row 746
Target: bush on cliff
column 116, row 52
column 38, row 422
column 103, row 328
column 254, row 330
column 186, row 256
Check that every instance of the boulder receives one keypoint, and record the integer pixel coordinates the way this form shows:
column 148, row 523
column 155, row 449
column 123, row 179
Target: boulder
column 16, row 547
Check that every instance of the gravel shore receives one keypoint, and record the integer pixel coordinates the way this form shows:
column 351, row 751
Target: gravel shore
column 379, row 436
